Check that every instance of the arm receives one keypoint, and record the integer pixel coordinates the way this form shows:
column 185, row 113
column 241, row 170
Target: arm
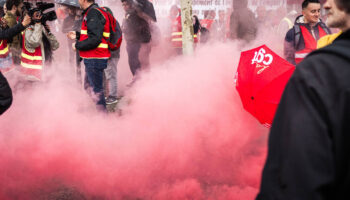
column 11, row 32
column 33, row 36
column 54, row 44
column 300, row 159
column 95, row 26
column 289, row 49
column 5, row 94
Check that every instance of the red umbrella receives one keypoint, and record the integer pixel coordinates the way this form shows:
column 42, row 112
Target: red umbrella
column 261, row 78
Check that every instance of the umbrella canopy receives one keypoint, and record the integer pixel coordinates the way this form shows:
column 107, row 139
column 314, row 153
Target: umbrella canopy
column 73, row 3
column 260, row 80
column 146, row 7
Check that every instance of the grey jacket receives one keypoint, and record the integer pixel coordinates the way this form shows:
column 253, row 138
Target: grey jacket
column 34, row 38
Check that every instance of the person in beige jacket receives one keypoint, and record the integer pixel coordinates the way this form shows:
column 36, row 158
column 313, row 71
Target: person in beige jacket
column 40, row 35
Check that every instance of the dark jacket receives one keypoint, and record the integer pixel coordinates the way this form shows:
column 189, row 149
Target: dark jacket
column 5, row 94
column 11, row 32
column 243, row 25
column 309, row 142
column 291, row 46
column 95, row 25
column 135, row 28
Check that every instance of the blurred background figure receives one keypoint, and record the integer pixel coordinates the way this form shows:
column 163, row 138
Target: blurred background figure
column 14, row 12
column 243, row 25
column 137, row 34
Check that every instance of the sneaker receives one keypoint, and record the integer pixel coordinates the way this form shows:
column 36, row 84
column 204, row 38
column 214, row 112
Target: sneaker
column 111, row 100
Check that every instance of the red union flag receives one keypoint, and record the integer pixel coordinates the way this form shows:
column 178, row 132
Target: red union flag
column 260, row 80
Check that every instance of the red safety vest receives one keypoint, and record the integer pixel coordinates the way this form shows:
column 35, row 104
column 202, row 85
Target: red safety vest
column 176, row 35
column 310, row 43
column 102, row 51
column 4, row 53
column 206, row 23
column 4, row 49
column 31, row 62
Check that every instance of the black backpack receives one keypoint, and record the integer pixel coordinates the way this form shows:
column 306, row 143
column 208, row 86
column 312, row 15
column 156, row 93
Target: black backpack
column 116, row 35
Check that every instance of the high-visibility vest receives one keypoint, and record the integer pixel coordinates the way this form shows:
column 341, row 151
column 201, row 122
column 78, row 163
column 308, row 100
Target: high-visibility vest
column 310, row 43
column 176, row 35
column 102, row 51
column 327, row 40
column 206, row 23
column 31, row 62
column 6, row 63
column 4, row 49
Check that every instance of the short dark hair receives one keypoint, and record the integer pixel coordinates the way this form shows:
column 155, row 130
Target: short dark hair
column 306, row 3
column 11, row 3
column 344, row 5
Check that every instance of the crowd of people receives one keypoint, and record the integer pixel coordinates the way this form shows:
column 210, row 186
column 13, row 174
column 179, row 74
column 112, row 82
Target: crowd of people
column 308, row 146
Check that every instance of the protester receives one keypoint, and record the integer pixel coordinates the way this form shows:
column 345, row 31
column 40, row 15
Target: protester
column 220, row 27
column 5, row 94
column 308, row 28
column 137, row 34
column 38, row 44
column 308, row 155
column 286, row 23
column 93, row 47
column 243, row 25
column 5, row 90
column 111, row 71
column 332, row 22
column 176, row 34
column 14, row 11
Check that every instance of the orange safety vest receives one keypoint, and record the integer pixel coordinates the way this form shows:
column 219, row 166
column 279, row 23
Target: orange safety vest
column 31, row 62
column 102, row 51
column 310, row 43
column 206, row 23
column 176, row 35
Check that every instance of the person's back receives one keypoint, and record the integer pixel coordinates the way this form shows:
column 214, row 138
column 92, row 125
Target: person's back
column 309, row 149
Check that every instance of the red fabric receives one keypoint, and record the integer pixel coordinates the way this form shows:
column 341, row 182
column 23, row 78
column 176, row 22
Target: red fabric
column 3, row 45
column 27, row 71
column 310, row 41
column 176, row 28
column 97, row 52
column 206, row 23
column 261, row 84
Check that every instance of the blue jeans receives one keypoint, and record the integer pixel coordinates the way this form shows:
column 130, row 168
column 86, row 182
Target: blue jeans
column 94, row 69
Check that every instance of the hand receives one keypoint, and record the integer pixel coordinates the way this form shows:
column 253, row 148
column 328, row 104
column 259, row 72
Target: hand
column 72, row 35
column 73, row 46
column 26, row 20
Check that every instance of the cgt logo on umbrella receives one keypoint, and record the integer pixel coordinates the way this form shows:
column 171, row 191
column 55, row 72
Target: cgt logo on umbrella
column 260, row 80
column 262, row 60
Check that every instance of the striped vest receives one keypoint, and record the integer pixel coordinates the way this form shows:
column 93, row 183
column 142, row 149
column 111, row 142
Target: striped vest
column 102, row 51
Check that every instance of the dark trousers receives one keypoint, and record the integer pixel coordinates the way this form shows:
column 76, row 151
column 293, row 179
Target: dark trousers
column 94, row 69
column 133, row 50
column 138, row 55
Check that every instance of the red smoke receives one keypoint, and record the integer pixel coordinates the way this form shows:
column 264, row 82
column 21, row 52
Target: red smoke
column 183, row 134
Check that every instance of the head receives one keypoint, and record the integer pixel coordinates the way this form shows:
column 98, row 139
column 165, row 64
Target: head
column 127, row 5
column 311, row 10
column 174, row 11
column 84, row 4
column 14, row 6
column 337, row 17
